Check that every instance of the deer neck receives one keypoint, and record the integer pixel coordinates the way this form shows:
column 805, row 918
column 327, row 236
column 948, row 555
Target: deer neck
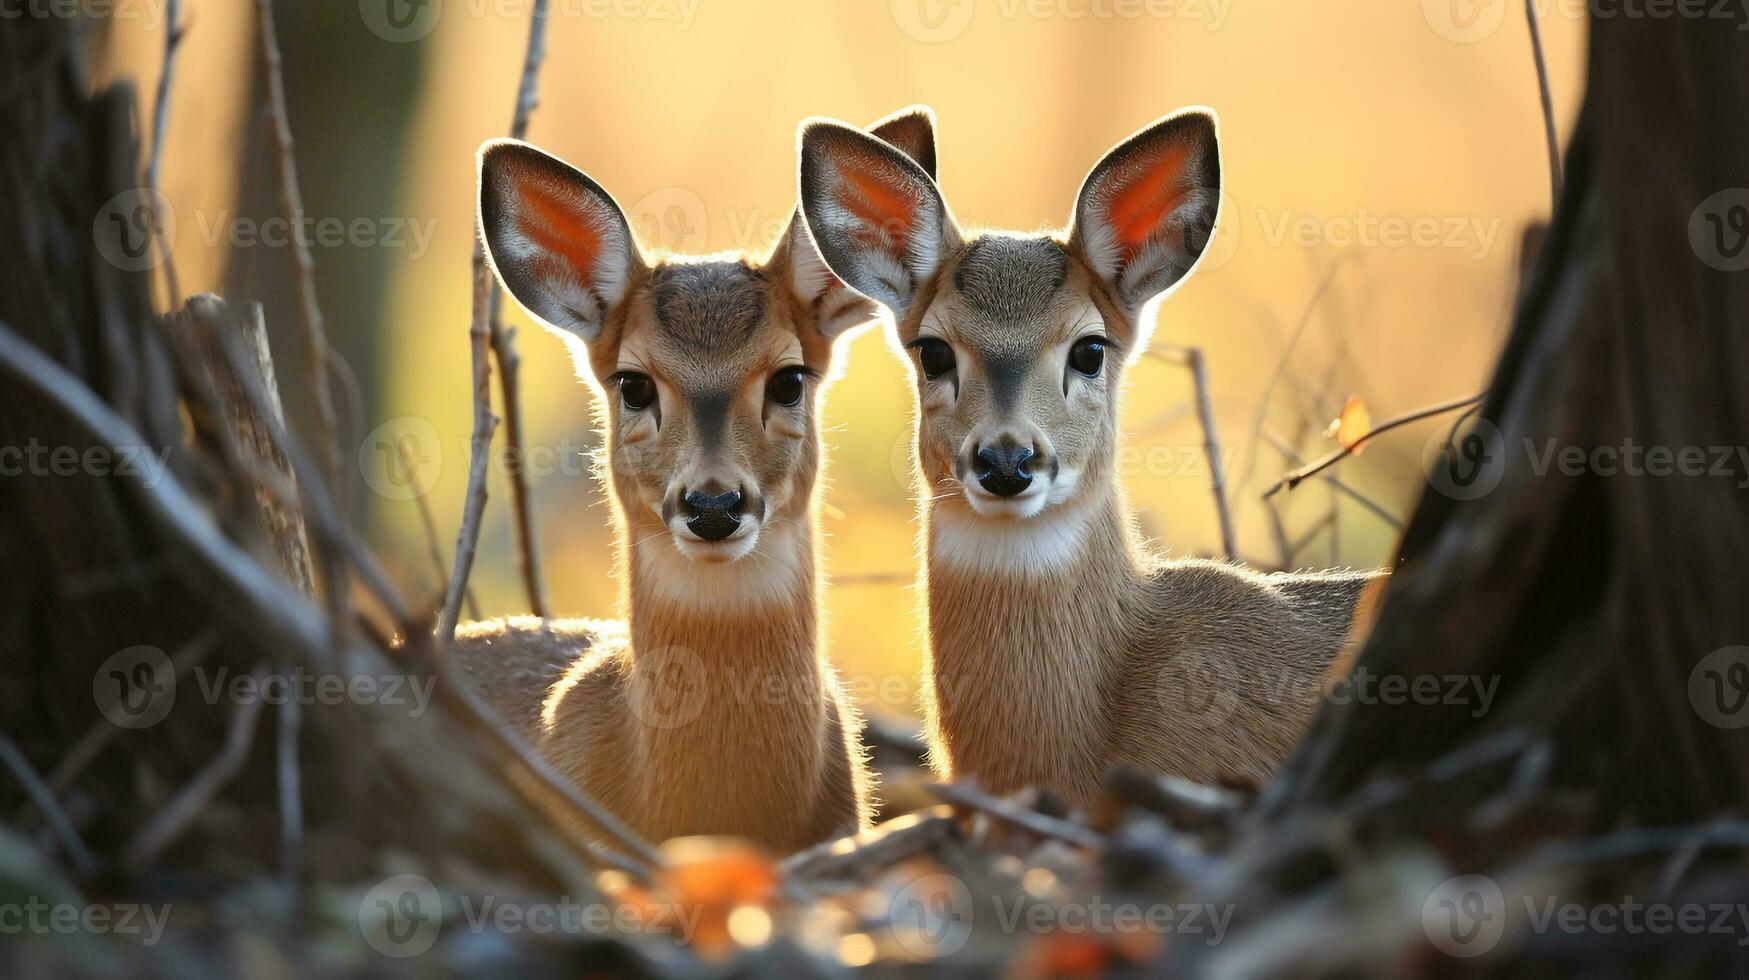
column 725, row 679
column 1028, row 626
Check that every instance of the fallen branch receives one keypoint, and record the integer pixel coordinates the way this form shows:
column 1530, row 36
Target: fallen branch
column 972, row 798
column 259, row 599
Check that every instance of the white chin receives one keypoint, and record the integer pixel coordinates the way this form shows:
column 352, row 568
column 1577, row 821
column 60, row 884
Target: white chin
column 732, row 548
column 1020, row 507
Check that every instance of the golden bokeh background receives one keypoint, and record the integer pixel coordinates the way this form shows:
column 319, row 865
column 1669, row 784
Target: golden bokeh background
column 1393, row 150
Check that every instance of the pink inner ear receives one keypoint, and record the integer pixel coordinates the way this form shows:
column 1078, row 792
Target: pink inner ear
column 879, row 204
column 1139, row 209
column 562, row 236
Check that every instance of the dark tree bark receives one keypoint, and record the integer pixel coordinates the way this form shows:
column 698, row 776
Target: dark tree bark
column 1593, row 597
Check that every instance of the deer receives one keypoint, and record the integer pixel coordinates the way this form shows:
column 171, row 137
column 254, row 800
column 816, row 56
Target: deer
column 711, row 707
column 1059, row 644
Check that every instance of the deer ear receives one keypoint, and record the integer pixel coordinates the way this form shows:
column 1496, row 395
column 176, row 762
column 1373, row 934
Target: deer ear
column 912, row 132
column 557, row 241
column 1146, row 211
column 875, row 215
column 836, row 309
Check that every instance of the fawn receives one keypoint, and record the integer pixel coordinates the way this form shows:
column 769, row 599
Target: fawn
column 711, row 709
column 1059, row 646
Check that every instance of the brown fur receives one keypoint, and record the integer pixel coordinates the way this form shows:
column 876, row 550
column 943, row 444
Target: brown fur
column 1200, row 669
column 1054, row 656
column 694, row 720
column 711, row 709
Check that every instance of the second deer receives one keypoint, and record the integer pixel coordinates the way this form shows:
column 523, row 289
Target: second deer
column 1059, row 645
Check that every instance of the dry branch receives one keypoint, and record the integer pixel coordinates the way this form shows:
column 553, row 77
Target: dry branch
column 1281, row 365
column 291, row 204
column 467, row 538
column 1191, row 358
column 1295, row 477
column 504, row 349
column 1372, row 506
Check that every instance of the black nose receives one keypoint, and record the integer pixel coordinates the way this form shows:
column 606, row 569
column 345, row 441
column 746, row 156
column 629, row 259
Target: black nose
column 1002, row 469
column 712, row 517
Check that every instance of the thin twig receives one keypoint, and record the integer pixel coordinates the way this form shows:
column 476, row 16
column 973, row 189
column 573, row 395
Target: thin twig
column 504, row 350
column 1293, row 479
column 45, row 801
column 961, row 794
column 528, row 92
column 1542, row 81
column 1372, row 506
column 468, row 535
column 181, row 811
column 303, row 266
column 160, row 126
column 1281, row 364
column 433, row 550
column 1193, row 361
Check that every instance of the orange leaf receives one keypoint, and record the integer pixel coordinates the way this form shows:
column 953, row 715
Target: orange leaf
column 1352, row 425
column 714, row 878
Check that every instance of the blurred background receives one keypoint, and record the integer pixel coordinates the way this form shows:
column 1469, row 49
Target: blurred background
column 1382, row 163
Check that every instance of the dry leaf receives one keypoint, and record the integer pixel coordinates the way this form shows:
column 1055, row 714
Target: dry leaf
column 1352, row 425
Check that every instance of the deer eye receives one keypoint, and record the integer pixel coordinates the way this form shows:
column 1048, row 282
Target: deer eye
column 636, row 390
column 1088, row 355
column 787, row 385
column 935, row 356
